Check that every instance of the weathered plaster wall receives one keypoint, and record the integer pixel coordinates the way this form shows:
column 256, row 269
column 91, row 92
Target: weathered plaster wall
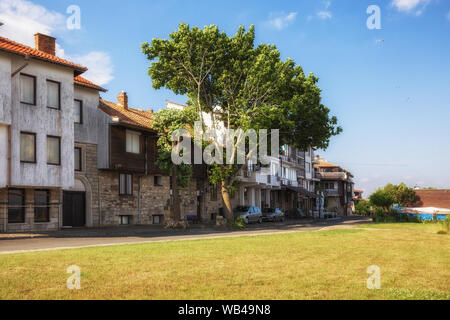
column 43, row 121
column 5, row 89
column 95, row 121
column 95, row 126
column 3, row 156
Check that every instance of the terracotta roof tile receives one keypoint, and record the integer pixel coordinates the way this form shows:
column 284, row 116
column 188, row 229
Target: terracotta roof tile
column 88, row 84
column 325, row 164
column 131, row 116
column 17, row 48
column 433, row 198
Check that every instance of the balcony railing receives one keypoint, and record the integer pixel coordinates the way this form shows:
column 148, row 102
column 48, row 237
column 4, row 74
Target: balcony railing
column 333, row 175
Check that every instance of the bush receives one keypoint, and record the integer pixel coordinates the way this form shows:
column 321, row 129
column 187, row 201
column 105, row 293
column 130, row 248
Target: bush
column 362, row 208
column 239, row 222
column 447, row 223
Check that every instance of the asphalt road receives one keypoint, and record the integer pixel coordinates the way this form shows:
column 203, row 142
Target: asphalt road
column 80, row 241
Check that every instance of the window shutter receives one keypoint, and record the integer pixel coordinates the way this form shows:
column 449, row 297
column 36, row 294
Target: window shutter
column 27, row 89
column 129, row 184
column 53, row 94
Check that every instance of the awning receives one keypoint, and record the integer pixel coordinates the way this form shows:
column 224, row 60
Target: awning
column 302, row 191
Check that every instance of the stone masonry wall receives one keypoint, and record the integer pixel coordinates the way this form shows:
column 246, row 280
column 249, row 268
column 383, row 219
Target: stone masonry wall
column 3, row 209
column 30, row 225
column 91, row 173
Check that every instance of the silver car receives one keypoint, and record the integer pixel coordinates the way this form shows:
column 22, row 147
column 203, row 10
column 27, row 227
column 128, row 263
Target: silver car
column 250, row 214
column 273, row 215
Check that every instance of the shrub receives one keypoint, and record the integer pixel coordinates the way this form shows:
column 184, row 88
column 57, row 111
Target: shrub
column 239, row 222
column 362, row 208
column 447, row 223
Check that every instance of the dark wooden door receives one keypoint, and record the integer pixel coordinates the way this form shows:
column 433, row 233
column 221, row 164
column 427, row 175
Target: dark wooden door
column 74, row 209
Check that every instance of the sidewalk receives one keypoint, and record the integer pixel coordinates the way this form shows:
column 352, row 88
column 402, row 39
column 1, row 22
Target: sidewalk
column 83, row 238
column 137, row 230
column 159, row 230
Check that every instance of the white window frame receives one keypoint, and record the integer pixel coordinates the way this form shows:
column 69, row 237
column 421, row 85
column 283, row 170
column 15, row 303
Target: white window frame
column 133, row 142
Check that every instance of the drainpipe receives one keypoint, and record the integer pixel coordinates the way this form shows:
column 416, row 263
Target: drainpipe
column 139, row 199
column 27, row 59
column 140, row 181
column 9, row 155
column 99, row 202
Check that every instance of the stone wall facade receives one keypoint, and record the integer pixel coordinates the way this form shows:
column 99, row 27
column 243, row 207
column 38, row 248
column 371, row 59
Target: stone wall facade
column 3, row 209
column 151, row 200
column 89, row 178
column 147, row 200
column 53, row 205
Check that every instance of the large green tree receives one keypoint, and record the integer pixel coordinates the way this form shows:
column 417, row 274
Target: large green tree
column 401, row 194
column 166, row 122
column 246, row 86
column 381, row 198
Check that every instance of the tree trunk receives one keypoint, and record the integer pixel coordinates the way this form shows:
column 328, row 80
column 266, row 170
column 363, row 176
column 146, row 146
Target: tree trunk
column 176, row 200
column 228, row 210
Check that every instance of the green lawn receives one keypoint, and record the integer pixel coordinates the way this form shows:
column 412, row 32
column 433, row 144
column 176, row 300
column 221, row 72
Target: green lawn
column 309, row 265
column 407, row 226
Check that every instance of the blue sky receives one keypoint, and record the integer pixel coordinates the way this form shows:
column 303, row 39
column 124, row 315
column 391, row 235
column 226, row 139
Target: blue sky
column 389, row 88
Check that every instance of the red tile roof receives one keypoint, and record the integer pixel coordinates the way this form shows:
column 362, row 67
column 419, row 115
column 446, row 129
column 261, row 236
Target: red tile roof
column 17, row 48
column 325, row 164
column 80, row 81
column 130, row 116
column 433, row 198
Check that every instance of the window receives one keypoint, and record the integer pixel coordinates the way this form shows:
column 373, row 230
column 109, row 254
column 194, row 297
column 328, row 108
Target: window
column 124, row 220
column 158, row 181
column 16, row 206
column 156, row 219
column 125, row 184
column 78, row 112
column 28, row 147
column 329, row 186
column 27, row 89
column 308, row 167
column 41, row 206
column 53, row 94
column 133, row 141
column 53, row 150
column 78, row 162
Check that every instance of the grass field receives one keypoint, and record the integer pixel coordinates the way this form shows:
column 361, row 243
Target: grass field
column 414, row 262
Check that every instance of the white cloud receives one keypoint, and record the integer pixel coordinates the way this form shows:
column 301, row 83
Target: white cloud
column 281, row 20
column 411, row 6
column 448, row 16
column 99, row 64
column 22, row 19
column 324, row 15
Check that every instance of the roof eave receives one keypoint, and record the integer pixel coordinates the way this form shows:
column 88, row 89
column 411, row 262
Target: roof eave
column 90, row 87
column 77, row 71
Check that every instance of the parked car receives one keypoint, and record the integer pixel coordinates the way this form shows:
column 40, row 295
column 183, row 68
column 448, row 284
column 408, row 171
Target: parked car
column 297, row 213
column 250, row 214
column 271, row 214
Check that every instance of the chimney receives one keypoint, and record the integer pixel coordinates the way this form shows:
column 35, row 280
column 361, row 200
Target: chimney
column 122, row 99
column 44, row 43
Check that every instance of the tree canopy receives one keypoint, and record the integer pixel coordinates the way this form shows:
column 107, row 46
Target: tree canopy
column 247, row 86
